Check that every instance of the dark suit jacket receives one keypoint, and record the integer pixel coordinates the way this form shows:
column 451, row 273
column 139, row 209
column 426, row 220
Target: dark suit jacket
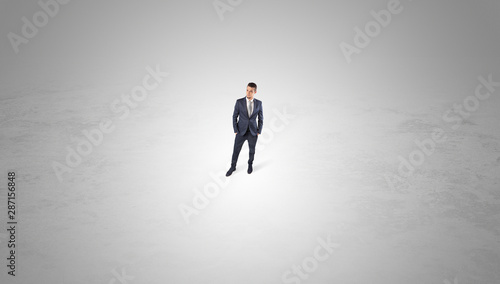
column 240, row 125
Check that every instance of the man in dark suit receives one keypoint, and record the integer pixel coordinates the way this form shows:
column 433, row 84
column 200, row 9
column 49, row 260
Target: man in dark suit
column 246, row 111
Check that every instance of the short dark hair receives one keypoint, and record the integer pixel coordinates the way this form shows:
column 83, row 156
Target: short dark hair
column 252, row 85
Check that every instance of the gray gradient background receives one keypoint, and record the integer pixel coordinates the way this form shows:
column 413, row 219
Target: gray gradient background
column 323, row 174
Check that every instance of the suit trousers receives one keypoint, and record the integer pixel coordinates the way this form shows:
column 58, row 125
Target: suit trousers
column 238, row 143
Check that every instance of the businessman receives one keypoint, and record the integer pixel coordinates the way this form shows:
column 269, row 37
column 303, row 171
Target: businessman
column 246, row 111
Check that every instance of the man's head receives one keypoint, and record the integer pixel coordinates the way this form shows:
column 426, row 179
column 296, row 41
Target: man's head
column 251, row 90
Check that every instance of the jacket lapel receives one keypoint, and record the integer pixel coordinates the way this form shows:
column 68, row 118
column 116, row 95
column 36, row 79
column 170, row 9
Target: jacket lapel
column 245, row 106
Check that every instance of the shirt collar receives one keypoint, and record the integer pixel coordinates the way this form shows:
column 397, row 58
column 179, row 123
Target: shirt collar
column 250, row 100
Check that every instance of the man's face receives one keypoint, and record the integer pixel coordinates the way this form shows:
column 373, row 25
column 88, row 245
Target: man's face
column 250, row 92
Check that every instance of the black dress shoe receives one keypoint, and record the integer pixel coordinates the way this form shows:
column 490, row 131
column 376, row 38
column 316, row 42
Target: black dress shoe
column 250, row 169
column 230, row 171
